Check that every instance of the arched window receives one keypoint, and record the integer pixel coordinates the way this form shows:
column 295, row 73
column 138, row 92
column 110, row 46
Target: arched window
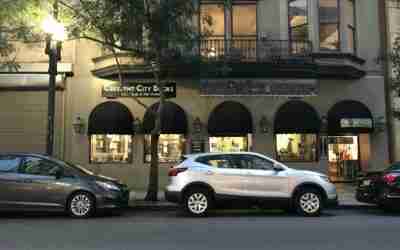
column 171, row 144
column 230, row 127
column 296, row 129
column 110, row 133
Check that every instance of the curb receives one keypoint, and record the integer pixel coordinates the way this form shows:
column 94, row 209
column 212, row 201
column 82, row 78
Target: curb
column 174, row 207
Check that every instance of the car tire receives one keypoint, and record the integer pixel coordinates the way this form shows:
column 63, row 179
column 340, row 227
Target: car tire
column 308, row 202
column 197, row 202
column 81, row 205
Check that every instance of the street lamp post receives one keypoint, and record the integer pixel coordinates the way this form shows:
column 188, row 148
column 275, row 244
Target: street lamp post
column 55, row 35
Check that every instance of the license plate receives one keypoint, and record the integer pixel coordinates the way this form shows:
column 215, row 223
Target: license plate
column 366, row 182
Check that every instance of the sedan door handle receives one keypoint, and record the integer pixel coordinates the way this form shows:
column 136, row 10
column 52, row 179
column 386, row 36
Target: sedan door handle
column 210, row 172
column 27, row 181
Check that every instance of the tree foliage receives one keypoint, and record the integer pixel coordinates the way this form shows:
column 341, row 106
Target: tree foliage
column 19, row 21
column 395, row 79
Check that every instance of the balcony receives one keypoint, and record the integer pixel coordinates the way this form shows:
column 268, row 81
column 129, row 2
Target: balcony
column 254, row 50
column 239, row 57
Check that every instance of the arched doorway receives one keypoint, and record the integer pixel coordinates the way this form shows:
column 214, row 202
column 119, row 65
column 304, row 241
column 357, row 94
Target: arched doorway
column 349, row 125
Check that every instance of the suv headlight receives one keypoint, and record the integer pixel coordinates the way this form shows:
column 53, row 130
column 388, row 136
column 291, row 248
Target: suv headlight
column 108, row 186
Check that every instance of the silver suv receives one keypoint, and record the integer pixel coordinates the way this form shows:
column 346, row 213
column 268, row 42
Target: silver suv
column 231, row 180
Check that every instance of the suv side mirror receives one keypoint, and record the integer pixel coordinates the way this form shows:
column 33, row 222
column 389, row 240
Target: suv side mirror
column 277, row 167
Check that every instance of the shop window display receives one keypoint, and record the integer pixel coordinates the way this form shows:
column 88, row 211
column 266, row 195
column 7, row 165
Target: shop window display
column 343, row 158
column 230, row 144
column 171, row 147
column 296, row 147
column 110, row 148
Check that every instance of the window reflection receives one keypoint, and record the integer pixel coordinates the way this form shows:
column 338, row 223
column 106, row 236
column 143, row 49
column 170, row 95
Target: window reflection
column 111, row 149
column 329, row 25
column 171, row 147
column 229, row 144
column 296, row 147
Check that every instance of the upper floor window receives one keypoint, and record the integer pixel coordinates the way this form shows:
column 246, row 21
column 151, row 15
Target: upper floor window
column 238, row 20
column 298, row 24
column 212, row 20
column 244, row 20
column 329, row 38
column 298, row 20
column 349, row 15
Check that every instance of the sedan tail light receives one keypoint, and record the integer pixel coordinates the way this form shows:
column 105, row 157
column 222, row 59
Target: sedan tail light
column 390, row 179
column 176, row 171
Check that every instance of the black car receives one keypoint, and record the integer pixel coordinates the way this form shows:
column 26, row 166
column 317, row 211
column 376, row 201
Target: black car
column 381, row 188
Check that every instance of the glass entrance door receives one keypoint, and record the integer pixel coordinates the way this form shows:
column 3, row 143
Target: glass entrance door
column 343, row 158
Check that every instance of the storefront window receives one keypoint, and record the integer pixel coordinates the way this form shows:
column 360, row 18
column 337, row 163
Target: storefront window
column 343, row 158
column 171, row 147
column 110, row 148
column 296, row 147
column 329, row 24
column 229, row 144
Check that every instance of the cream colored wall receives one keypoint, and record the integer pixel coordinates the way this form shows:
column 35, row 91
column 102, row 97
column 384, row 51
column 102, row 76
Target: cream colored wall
column 83, row 93
column 23, row 122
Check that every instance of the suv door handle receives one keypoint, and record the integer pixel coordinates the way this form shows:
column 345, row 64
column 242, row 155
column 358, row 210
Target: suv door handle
column 209, row 172
column 27, row 181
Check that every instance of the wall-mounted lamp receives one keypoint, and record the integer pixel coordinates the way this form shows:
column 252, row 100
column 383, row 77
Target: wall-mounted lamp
column 78, row 125
column 264, row 125
column 197, row 125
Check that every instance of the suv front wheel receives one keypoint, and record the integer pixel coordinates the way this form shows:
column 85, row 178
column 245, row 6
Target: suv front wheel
column 308, row 202
column 197, row 202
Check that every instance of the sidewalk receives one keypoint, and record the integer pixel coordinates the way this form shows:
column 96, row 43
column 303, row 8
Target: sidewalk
column 346, row 193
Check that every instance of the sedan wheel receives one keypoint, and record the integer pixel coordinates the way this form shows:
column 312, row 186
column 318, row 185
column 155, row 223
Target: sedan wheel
column 308, row 203
column 81, row 205
column 197, row 202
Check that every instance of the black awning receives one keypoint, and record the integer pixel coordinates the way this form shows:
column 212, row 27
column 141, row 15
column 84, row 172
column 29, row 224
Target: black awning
column 111, row 118
column 230, row 119
column 173, row 119
column 297, row 117
column 350, row 117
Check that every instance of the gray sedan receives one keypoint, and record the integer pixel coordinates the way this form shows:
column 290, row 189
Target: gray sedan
column 34, row 182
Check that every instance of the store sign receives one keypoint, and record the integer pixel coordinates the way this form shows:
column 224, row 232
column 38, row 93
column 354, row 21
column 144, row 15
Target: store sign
column 139, row 90
column 259, row 87
column 356, row 123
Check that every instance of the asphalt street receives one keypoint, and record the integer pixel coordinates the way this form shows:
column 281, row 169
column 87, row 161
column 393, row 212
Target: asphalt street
column 168, row 230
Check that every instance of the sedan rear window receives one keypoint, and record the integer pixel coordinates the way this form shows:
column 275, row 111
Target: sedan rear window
column 9, row 163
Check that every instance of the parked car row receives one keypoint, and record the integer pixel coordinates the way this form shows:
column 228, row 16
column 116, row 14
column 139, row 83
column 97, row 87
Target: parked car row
column 200, row 183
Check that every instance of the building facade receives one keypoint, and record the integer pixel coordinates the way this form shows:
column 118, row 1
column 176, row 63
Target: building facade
column 297, row 80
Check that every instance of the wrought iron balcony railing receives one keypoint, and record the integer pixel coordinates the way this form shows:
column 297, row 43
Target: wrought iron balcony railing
column 254, row 50
column 242, row 49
